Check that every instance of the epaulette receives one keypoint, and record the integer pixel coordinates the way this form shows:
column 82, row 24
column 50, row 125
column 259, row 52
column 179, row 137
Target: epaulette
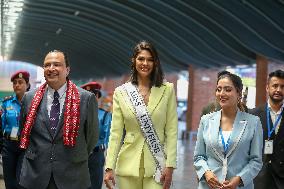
column 7, row 98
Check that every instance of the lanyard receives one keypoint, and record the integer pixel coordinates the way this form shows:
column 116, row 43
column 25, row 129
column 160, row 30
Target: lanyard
column 225, row 146
column 269, row 132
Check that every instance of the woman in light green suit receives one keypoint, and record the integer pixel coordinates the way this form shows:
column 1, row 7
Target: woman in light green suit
column 132, row 161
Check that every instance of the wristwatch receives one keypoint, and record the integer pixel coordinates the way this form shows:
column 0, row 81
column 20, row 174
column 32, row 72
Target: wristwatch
column 241, row 184
column 108, row 169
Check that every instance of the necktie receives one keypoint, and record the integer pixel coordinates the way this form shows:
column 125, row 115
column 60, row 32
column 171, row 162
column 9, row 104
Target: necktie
column 54, row 112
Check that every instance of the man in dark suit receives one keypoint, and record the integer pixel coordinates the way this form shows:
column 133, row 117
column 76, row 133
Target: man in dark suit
column 59, row 129
column 272, row 174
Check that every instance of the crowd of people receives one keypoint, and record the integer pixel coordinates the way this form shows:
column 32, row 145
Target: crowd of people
column 56, row 136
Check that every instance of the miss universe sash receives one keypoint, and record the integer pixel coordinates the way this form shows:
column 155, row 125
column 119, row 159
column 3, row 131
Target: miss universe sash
column 147, row 129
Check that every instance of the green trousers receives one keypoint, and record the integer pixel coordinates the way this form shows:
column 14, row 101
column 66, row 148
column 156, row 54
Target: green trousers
column 140, row 182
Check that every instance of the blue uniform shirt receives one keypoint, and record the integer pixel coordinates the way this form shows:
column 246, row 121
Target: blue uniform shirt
column 104, row 126
column 11, row 108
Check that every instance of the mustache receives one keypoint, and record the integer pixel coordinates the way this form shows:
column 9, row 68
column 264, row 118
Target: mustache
column 280, row 94
column 276, row 100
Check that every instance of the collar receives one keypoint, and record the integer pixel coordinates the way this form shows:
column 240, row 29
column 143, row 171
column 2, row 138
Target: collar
column 14, row 98
column 270, row 109
column 60, row 91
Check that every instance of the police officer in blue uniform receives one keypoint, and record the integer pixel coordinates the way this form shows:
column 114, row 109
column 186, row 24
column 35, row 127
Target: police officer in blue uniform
column 97, row 157
column 11, row 107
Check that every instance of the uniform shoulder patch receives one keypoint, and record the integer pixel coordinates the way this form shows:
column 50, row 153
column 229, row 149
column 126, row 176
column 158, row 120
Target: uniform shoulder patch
column 7, row 98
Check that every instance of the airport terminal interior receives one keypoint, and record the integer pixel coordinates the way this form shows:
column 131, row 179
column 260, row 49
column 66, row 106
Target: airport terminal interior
column 195, row 40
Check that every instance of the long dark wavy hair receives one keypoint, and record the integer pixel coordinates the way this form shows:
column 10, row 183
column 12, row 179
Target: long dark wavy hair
column 157, row 75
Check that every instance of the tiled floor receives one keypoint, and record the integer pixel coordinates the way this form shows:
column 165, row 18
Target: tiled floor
column 184, row 175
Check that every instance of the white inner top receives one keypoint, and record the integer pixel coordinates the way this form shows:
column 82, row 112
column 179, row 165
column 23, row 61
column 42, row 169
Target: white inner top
column 226, row 135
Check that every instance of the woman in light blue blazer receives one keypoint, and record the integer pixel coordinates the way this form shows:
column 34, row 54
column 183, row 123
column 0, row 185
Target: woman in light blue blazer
column 228, row 151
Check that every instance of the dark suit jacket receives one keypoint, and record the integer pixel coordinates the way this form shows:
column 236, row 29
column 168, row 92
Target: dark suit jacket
column 46, row 155
column 277, row 158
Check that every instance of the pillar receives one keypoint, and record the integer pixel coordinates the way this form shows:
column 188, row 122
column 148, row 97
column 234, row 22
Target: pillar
column 261, row 79
column 190, row 98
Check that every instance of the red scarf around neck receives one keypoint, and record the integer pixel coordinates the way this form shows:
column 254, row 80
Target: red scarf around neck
column 71, row 115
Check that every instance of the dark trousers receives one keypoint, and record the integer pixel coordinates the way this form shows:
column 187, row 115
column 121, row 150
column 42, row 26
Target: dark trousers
column 268, row 179
column 96, row 164
column 11, row 163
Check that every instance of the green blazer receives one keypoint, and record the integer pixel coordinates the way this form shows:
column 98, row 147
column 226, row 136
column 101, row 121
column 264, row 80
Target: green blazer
column 125, row 158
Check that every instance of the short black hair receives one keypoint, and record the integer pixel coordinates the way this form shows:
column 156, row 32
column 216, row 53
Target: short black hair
column 97, row 92
column 276, row 73
column 65, row 56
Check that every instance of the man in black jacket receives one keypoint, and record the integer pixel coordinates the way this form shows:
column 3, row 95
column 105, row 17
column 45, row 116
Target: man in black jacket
column 271, row 115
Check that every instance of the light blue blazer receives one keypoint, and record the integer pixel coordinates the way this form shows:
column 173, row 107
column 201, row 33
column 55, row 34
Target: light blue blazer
column 245, row 149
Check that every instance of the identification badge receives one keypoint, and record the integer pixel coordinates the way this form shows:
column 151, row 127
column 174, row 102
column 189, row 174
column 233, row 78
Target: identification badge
column 268, row 147
column 14, row 132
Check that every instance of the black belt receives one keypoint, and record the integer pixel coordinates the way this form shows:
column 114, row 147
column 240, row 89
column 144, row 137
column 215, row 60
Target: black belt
column 8, row 137
column 99, row 149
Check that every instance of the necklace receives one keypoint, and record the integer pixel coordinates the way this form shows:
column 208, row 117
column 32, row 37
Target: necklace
column 145, row 94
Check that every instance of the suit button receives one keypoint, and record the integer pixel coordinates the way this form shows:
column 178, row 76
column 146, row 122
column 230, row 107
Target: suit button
column 280, row 162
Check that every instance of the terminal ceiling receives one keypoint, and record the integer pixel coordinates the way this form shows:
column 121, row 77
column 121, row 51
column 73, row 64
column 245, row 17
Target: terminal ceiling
column 99, row 35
